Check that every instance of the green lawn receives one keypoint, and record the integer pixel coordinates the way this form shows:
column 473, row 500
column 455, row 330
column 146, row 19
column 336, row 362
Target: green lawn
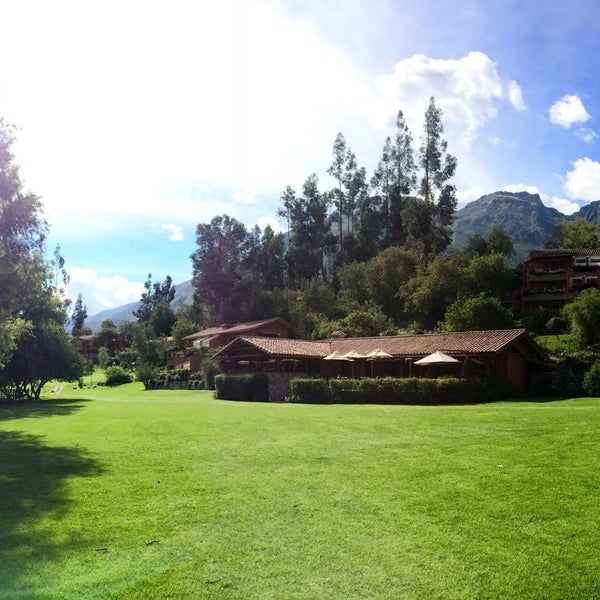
column 120, row 493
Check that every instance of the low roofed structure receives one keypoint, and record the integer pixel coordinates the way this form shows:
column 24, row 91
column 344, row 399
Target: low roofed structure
column 509, row 352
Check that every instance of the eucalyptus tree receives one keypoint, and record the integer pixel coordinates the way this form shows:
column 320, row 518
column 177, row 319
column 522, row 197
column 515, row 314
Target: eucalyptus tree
column 78, row 317
column 219, row 264
column 395, row 179
column 337, row 170
column 436, row 191
column 311, row 240
column 349, row 194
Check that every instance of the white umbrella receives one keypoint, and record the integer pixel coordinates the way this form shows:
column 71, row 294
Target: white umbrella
column 435, row 359
column 353, row 354
column 336, row 356
column 378, row 354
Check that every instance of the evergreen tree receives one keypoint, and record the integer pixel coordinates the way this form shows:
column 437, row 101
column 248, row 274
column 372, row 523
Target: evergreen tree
column 310, row 238
column 78, row 317
column 395, row 179
column 155, row 294
column 219, row 263
column 437, row 194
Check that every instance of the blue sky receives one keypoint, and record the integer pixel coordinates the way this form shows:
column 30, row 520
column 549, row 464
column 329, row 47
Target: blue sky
column 139, row 120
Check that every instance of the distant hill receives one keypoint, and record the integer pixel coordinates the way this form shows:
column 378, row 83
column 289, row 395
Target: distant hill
column 184, row 293
column 529, row 223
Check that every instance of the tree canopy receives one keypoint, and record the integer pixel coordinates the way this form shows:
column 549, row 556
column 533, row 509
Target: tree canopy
column 34, row 347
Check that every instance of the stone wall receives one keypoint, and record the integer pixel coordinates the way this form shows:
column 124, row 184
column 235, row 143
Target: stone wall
column 279, row 385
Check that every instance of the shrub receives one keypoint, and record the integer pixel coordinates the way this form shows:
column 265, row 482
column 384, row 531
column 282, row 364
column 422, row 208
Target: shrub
column 177, row 376
column 117, row 376
column 251, row 387
column 209, row 370
column 411, row 390
column 148, row 375
column 126, row 359
column 570, row 373
column 591, row 380
column 310, row 391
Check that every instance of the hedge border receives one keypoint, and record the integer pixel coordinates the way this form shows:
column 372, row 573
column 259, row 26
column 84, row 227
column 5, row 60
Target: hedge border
column 411, row 390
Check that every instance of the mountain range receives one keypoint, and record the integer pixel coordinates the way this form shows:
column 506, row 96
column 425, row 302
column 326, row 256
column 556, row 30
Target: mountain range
column 527, row 220
column 184, row 294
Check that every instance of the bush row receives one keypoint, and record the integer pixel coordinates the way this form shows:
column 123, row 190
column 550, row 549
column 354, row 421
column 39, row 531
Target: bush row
column 251, row 387
column 412, row 390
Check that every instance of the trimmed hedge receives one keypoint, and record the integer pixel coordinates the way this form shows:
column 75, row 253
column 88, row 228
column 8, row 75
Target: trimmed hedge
column 251, row 387
column 411, row 390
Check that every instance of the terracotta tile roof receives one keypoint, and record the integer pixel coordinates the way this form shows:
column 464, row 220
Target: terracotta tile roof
column 282, row 347
column 204, row 333
column 251, row 325
column 238, row 328
column 458, row 343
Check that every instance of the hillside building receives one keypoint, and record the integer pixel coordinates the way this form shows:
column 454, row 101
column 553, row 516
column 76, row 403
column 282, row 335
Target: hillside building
column 553, row 278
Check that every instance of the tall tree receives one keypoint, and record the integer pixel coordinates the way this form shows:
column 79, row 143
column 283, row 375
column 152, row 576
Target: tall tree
column 337, row 170
column 351, row 189
column 154, row 294
column 438, row 195
column 395, row 178
column 78, row 316
column 34, row 345
column 219, row 264
column 310, row 239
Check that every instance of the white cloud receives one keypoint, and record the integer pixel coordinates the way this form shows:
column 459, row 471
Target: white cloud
column 467, row 90
column 175, row 231
column 567, row 111
column 464, row 196
column 99, row 292
column 583, row 182
column 586, row 134
column 515, row 95
column 243, row 198
column 567, row 207
column 522, row 187
column 275, row 225
column 495, row 141
column 199, row 91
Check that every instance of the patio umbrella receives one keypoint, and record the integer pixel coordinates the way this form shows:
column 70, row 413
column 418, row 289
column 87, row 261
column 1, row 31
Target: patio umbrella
column 436, row 358
column 377, row 354
column 336, row 356
column 353, row 354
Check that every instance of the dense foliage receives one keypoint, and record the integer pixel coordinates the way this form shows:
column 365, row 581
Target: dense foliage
column 34, row 347
column 408, row 390
column 362, row 239
column 250, row 387
column 583, row 315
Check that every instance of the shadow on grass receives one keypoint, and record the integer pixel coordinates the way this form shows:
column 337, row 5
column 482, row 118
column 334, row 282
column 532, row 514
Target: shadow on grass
column 39, row 408
column 33, row 479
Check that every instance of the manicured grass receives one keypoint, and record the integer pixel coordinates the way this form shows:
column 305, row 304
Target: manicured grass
column 125, row 494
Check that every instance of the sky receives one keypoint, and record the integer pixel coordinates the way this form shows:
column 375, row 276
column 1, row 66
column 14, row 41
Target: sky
column 137, row 120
